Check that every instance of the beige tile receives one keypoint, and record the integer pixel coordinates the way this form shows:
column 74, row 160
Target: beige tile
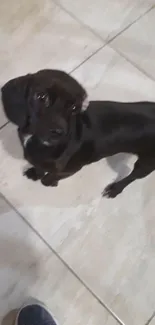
column 29, row 268
column 38, row 34
column 109, row 243
column 107, row 17
column 138, row 44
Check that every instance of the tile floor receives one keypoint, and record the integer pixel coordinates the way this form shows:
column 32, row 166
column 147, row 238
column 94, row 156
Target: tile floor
column 91, row 259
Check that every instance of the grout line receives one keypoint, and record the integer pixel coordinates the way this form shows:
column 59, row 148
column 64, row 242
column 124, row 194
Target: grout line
column 105, row 41
column 130, row 24
column 1, row 127
column 104, row 305
column 78, row 20
column 88, row 57
column 132, row 63
column 150, row 319
column 108, row 42
column 122, row 55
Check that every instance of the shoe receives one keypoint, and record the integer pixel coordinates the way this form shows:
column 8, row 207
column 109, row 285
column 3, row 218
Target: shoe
column 34, row 313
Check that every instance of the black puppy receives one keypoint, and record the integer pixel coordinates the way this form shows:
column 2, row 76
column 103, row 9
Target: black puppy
column 46, row 106
column 78, row 136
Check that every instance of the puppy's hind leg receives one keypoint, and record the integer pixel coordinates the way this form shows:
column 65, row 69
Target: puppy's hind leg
column 142, row 167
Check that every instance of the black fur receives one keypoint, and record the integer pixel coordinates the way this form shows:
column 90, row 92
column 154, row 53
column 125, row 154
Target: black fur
column 47, row 106
column 104, row 129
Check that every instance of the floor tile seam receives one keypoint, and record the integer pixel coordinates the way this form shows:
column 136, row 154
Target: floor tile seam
column 98, row 36
column 121, row 54
column 150, row 319
column 3, row 126
column 130, row 24
column 124, row 56
column 81, row 281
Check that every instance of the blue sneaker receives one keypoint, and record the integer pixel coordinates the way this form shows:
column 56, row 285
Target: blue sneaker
column 34, row 313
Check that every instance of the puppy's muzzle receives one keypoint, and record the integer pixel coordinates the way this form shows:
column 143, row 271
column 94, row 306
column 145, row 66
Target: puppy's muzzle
column 54, row 136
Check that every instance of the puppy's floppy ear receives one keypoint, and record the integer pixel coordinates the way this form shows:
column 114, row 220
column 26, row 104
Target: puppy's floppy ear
column 75, row 89
column 85, row 104
column 79, row 93
column 14, row 98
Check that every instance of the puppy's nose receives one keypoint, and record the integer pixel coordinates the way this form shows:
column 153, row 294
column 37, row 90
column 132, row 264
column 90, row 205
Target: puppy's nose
column 56, row 131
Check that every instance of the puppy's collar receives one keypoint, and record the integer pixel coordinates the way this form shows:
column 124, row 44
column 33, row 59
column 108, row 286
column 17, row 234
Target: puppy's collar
column 85, row 105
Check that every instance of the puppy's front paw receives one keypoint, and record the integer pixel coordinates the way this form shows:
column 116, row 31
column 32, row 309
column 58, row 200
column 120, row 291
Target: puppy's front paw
column 112, row 190
column 48, row 180
column 31, row 173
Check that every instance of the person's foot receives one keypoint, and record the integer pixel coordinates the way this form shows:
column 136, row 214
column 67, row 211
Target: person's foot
column 34, row 313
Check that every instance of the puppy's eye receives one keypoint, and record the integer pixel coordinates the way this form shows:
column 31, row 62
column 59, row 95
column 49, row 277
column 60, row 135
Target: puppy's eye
column 73, row 108
column 41, row 96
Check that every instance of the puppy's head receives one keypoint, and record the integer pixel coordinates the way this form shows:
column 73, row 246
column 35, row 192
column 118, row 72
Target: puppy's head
column 44, row 104
column 51, row 110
